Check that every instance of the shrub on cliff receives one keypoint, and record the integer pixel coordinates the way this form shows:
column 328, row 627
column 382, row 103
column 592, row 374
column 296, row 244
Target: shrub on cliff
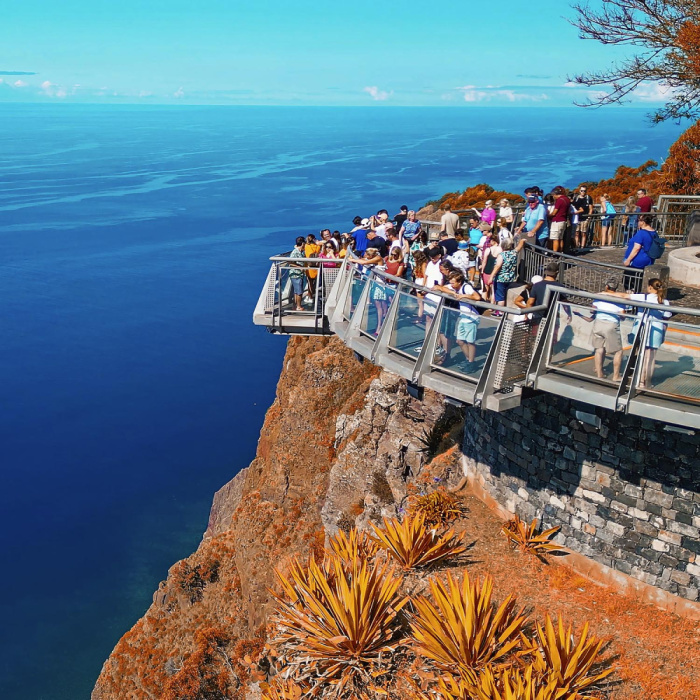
column 475, row 196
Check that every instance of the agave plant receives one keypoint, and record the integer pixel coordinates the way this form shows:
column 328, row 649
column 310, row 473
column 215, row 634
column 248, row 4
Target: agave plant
column 461, row 631
column 573, row 666
column 438, row 507
column 515, row 684
column 336, row 623
column 414, row 545
column 353, row 547
column 527, row 539
column 282, row 689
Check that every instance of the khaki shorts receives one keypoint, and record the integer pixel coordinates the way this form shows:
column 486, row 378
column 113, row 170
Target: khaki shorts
column 556, row 230
column 582, row 226
column 606, row 336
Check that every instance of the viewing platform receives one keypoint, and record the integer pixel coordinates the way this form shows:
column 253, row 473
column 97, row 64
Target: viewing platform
column 547, row 348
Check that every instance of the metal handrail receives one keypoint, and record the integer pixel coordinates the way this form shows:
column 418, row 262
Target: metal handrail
column 516, row 311
column 685, row 310
column 575, row 260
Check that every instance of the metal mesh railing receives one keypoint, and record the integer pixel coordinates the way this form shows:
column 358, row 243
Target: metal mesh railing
column 576, row 273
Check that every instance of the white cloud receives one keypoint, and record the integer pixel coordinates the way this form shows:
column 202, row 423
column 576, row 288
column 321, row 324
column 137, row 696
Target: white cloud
column 653, row 92
column 179, row 93
column 147, row 93
column 376, row 94
column 494, row 93
column 20, row 84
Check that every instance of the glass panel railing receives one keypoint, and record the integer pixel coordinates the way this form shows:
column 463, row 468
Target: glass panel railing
column 380, row 296
column 357, row 284
column 408, row 333
column 463, row 343
column 592, row 343
column 296, row 288
column 671, row 360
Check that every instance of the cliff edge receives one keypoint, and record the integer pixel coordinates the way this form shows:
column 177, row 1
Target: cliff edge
column 342, row 442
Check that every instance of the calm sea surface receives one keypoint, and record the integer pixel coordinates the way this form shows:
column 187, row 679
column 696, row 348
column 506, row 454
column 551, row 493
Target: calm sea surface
column 133, row 245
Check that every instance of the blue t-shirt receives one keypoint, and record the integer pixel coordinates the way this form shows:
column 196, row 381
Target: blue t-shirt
column 360, row 240
column 532, row 216
column 475, row 235
column 641, row 259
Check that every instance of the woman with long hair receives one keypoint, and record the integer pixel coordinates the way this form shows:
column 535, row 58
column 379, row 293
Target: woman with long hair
column 606, row 225
column 488, row 261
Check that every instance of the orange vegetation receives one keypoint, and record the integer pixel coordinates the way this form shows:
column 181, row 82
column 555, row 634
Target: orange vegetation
column 681, row 171
column 476, row 196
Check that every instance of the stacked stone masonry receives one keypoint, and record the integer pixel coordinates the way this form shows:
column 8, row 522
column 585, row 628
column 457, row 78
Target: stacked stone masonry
column 625, row 491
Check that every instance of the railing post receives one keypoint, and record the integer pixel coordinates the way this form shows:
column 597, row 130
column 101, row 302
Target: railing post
column 428, row 349
column 382, row 342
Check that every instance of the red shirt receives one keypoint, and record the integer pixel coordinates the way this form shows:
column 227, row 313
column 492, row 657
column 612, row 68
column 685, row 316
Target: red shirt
column 645, row 204
column 561, row 208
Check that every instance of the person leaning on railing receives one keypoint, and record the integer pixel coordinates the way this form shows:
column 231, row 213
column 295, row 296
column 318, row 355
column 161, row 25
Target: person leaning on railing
column 311, row 250
column 504, row 272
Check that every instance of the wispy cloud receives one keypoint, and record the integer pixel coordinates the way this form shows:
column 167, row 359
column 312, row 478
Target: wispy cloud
column 376, row 94
column 19, row 84
column 526, row 76
column 496, row 93
column 179, row 93
column 16, row 72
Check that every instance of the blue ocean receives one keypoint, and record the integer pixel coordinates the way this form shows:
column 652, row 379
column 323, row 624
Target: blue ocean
column 133, row 246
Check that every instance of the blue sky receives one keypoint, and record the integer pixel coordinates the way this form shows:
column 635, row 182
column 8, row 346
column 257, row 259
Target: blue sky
column 302, row 52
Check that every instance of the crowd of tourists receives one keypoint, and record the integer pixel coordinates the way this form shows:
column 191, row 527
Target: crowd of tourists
column 478, row 263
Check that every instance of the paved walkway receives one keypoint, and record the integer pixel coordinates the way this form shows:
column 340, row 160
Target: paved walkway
column 678, row 294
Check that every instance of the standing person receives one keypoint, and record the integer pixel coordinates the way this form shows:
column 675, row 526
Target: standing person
column 559, row 219
column 461, row 260
column 297, row 273
column 474, row 232
column 656, row 294
column 311, row 250
column 449, row 223
column 468, row 321
column 377, row 291
column 360, row 236
column 538, row 293
column 644, row 201
column 420, row 260
column 534, row 223
column 583, row 203
column 637, row 255
column 487, row 214
column 606, row 225
column 504, row 271
column 488, row 263
column 328, row 253
column 606, row 332
column 629, row 220
column 401, row 217
column 327, row 237
column 395, row 264
column 376, row 241
column 410, row 228
column 504, row 230
column 449, row 244
column 505, row 211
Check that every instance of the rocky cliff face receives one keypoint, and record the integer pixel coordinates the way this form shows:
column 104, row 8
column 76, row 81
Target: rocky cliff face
column 342, row 443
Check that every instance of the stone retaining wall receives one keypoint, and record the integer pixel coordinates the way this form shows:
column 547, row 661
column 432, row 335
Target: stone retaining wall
column 625, row 490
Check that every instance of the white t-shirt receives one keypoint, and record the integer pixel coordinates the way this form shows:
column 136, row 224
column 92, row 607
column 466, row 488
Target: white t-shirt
column 465, row 306
column 607, row 311
column 505, row 213
column 503, row 234
column 652, row 299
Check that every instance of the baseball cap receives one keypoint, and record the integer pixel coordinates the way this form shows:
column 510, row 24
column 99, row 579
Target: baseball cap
column 364, row 222
column 536, row 278
column 462, row 245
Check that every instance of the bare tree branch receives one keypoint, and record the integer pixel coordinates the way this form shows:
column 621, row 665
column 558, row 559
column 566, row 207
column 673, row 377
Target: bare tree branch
column 665, row 54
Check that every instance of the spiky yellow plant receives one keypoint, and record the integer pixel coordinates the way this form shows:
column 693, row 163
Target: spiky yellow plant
column 573, row 666
column 281, row 689
column 438, row 507
column 336, row 623
column 414, row 545
column 353, row 547
column 461, row 630
column 526, row 537
column 515, row 684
